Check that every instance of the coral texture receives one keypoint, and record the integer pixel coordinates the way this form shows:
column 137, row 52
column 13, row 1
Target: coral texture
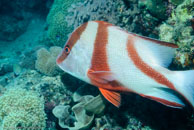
column 128, row 14
column 21, row 109
column 84, row 112
column 156, row 7
column 176, row 2
column 57, row 26
column 123, row 13
column 46, row 60
column 178, row 29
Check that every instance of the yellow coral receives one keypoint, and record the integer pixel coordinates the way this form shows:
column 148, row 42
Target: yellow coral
column 22, row 109
column 46, row 60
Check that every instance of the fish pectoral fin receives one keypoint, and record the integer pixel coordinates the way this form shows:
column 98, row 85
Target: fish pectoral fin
column 101, row 76
column 165, row 96
column 111, row 96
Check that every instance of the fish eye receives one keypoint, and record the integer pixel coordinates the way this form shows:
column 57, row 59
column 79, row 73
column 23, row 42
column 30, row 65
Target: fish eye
column 67, row 49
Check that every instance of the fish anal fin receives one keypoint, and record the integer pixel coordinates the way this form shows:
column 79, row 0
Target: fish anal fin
column 164, row 101
column 111, row 96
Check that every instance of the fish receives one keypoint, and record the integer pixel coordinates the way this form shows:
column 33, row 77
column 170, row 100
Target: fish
column 117, row 61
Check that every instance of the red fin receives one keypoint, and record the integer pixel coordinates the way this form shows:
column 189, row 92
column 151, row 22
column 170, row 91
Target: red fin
column 163, row 101
column 101, row 76
column 111, row 96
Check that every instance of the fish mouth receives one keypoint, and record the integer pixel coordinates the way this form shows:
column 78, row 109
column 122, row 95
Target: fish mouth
column 66, row 68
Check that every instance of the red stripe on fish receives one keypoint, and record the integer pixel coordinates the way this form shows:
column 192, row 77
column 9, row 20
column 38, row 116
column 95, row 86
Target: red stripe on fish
column 99, row 58
column 99, row 63
column 145, row 68
column 75, row 36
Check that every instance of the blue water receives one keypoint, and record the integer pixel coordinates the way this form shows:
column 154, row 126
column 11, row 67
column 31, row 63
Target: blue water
column 32, row 86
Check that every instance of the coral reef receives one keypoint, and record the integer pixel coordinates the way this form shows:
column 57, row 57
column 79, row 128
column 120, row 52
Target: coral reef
column 96, row 10
column 176, row 2
column 57, row 26
column 178, row 29
column 46, row 60
column 127, row 14
column 22, row 109
column 123, row 13
column 65, row 96
column 51, row 88
column 156, row 7
column 82, row 120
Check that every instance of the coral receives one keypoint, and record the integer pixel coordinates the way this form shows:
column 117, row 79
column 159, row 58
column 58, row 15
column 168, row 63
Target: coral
column 17, row 69
column 57, row 26
column 166, row 33
column 46, row 60
column 178, row 29
column 21, row 109
column 127, row 14
column 96, row 10
column 176, row 2
column 51, row 88
column 84, row 111
column 81, row 120
column 156, row 7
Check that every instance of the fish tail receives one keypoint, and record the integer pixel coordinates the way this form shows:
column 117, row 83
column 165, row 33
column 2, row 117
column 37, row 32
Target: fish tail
column 184, row 82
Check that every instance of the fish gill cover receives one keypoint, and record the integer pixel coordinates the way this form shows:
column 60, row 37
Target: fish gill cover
column 30, row 32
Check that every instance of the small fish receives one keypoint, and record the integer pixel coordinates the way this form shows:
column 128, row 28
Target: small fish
column 116, row 61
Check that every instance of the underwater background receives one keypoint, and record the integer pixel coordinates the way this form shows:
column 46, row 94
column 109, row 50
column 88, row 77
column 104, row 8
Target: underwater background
column 36, row 94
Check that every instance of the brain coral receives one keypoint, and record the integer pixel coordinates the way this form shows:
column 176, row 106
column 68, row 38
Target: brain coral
column 21, row 109
column 46, row 60
column 57, row 26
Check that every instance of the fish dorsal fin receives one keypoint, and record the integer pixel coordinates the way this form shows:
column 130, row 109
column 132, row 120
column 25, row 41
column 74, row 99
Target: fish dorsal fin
column 165, row 96
column 111, row 96
column 154, row 51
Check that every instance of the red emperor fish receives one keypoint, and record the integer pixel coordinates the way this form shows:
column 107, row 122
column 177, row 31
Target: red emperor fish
column 116, row 61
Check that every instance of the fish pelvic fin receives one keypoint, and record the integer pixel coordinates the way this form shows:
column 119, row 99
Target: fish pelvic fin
column 111, row 96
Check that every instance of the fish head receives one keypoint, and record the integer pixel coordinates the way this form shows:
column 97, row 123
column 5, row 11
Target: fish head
column 76, row 55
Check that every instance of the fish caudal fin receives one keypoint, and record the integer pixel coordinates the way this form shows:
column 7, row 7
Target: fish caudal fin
column 111, row 96
column 184, row 83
